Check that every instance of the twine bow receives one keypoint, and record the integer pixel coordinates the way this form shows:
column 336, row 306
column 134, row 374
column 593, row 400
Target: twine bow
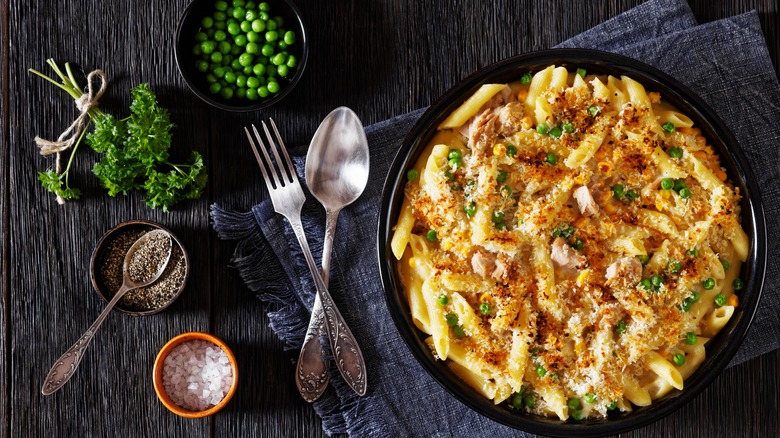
column 83, row 103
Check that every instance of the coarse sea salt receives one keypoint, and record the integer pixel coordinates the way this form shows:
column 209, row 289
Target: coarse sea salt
column 197, row 375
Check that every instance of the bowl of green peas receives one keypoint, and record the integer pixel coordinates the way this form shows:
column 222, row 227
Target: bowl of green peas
column 241, row 55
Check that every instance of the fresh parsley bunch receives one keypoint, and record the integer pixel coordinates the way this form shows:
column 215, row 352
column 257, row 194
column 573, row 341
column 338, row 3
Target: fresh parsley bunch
column 135, row 154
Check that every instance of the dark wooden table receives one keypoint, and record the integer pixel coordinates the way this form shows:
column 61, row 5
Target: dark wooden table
column 382, row 58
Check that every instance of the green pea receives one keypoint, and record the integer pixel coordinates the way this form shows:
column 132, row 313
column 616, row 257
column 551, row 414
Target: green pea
column 657, row 280
column 679, row 185
column 720, row 300
column 529, row 401
column 470, row 209
column 631, row 195
column 270, row 24
column 236, row 50
column 737, row 284
column 725, row 264
column 541, row 371
column 226, row 92
column 646, row 284
column 517, row 400
column 581, row 72
column 224, row 47
column 574, row 403
column 289, row 37
column 443, row 300
column 594, row 110
column 542, row 128
column 251, row 94
column 695, row 296
column 667, row 184
column 283, row 70
column 234, row 28
column 691, row 339
column 668, row 127
column 568, row 127
column 485, row 309
column 245, row 59
column 674, row 266
column 246, row 26
column 292, row 61
column 501, row 176
column 708, row 284
column 258, row 25
column 226, row 60
column 271, row 70
column 459, row 332
column 240, row 40
column 675, row 152
column 454, row 163
column 210, row 33
column 267, row 50
column 498, row 216
column 506, row 191
column 263, row 91
column 577, row 244
column 215, row 88
column 694, row 252
column 220, row 16
column 210, row 78
column 644, row 259
column 551, row 159
column 238, row 3
column 282, row 45
column 239, row 13
column 230, row 77
column 412, row 174
column 196, row 50
column 430, row 235
column 511, row 150
column 252, row 82
column 590, row 398
column 252, row 36
column 621, row 328
column 685, row 193
column 556, row 132
column 264, row 6
column 241, row 93
column 678, row 359
column 271, row 35
column 251, row 15
column 207, row 47
column 216, row 57
column 618, row 191
column 207, row 22
column 452, row 319
column 612, row 406
column 273, row 87
column 258, row 69
column 251, row 5
column 577, row 415
column 279, row 20
column 202, row 66
column 241, row 81
column 247, row 70
column 220, row 5
column 252, row 48
column 278, row 59
column 220, row 25
column 219, row 71
column 525, row 79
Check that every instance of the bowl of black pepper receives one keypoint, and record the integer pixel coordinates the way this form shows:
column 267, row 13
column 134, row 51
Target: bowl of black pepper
column 106, row 270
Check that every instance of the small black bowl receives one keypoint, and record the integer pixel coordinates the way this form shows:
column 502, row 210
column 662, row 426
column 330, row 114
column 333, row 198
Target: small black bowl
column 190, row 24
column 720, row 350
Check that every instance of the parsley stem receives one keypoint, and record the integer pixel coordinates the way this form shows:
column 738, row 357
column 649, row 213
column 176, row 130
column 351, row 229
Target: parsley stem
column 73, row 154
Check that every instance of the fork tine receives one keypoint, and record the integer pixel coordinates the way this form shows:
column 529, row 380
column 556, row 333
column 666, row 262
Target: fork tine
column 284, row 150
column 286, row 171
column 271, row 167
column 259, row 161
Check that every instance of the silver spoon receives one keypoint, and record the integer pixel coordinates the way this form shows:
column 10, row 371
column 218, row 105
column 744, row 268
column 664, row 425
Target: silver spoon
column 64, row 368
column 336, row 173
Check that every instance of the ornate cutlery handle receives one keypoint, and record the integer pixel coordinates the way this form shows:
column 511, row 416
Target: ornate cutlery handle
column 349, row 358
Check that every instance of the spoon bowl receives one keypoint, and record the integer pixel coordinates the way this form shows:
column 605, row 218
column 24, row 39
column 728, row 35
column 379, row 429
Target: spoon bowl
column 336, row 172
column 139, row 269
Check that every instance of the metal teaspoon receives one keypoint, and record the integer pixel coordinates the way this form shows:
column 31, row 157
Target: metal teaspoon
column 65, row 367
column 336, row 173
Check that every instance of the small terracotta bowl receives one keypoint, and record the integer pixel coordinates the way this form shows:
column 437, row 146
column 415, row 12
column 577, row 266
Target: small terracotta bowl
column 158, row 374
column 99, row 255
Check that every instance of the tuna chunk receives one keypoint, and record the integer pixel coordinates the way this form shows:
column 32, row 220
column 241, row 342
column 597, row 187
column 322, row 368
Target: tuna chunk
column 585, row 201
column 481, row 264
column 564, row 256
column 626, row 271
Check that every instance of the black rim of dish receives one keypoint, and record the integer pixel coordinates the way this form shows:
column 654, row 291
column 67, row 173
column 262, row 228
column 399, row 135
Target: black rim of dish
column 185, row 60
column 720, row 350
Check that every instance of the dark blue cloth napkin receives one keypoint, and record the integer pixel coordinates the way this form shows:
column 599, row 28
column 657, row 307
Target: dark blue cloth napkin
column 725, row 62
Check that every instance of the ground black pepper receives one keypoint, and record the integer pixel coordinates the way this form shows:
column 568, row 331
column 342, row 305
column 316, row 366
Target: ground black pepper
column 146, row 298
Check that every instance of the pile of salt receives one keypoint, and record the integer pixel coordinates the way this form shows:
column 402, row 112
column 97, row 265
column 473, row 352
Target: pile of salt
column 197, row 375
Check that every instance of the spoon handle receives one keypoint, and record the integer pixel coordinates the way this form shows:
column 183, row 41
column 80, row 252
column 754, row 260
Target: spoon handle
column 349, row 358
column 311, row 371
column 64, row 367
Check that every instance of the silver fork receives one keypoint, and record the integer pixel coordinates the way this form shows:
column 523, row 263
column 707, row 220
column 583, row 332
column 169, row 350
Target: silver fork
column 288, row 198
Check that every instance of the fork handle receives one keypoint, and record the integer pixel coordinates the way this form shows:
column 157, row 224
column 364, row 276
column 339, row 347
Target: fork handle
column 349, row 358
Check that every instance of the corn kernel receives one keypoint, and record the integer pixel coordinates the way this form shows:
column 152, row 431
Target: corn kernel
column 610, row 207
column 733, row 300
column 412, row 262
column 582, row 222
column 522, row 94
column 499, row 149
column 721, row 174
column 659, row 205
column 700, row 155
column 446, row 245
column 654, row 96
column 527, row 122
column 583, row 277
column 604, row 167
column 484, row 297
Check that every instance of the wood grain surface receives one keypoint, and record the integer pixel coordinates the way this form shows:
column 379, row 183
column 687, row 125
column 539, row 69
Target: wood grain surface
column 382, row 58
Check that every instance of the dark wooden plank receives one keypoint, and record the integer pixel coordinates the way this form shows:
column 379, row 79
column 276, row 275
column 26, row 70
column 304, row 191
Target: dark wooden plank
column 52, row 300
column 5, row 286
